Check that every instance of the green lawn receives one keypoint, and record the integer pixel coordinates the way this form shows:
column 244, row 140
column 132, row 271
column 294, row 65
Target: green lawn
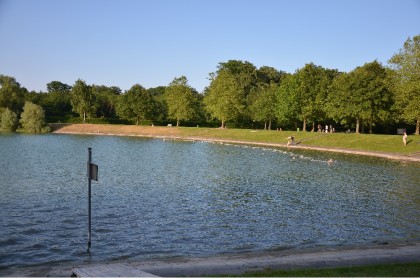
column 366, row 142
column 382, row 270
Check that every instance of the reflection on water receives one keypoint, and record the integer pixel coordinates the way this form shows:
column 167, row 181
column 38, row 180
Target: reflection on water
column 159, row 199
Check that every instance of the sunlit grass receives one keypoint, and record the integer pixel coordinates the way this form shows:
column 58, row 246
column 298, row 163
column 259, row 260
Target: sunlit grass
column 366, row 142
column 352, row 141
column 382, row 270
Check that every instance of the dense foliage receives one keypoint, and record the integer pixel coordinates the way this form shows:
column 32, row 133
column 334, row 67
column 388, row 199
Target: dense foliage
column 8, row 120
column 182, row 101
column 137, row 104
column 82, row 99
column 370, row 98
column 406, row 65
column 33, row 118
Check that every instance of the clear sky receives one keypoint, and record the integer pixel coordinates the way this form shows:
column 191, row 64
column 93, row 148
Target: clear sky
column 150, row 42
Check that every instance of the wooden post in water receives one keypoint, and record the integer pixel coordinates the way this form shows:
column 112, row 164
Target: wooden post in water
column 89, row 199
column 92, row 173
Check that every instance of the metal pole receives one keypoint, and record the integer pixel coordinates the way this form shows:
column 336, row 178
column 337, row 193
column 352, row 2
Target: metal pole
column 89, row 199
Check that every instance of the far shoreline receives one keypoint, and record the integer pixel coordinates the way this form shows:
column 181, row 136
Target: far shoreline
column 162, row 133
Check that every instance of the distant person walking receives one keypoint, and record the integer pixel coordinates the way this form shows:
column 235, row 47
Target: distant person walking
column 405, row 138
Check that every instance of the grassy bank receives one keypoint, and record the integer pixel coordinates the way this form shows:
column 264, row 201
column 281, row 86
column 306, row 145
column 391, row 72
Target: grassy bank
column 366, row 142
column 363, row 142
column 382, row 270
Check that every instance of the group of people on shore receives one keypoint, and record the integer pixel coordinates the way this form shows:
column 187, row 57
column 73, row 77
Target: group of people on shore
column 327, row 129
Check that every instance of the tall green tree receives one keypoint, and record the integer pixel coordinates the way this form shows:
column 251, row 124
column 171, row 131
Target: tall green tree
column 361, row 96
column 313, row 82
column 406, row 65
column 302, row 96
column 268, row 75
column 161, row 108
column 105, row 100
column 246, row 77
column 57, row 86
column 8, row 120
column 12, row 95
column 32, row 118
column 82, row 99
column 342, row 104
column 244, row 72
column 263, row 104
column 374, row 80
column 225, row 97
column 181, row 100
column 137, row 103
column 287, row 110
column 57, row 102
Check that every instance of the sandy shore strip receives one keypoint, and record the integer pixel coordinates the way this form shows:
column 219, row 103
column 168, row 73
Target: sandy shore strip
column 172, row 134
column 402, row 252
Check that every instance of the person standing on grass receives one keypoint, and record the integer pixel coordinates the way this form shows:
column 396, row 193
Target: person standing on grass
column 405, row 138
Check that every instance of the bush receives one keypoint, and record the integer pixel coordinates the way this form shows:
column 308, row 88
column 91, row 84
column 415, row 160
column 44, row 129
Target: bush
column 33, row 119
column 8, row 121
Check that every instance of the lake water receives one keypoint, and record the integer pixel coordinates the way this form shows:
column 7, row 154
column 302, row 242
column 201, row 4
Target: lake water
column 158, row 199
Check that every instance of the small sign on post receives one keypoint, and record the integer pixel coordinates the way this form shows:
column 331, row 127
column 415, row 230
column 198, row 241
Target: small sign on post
column 93, row 171
column 92, row 174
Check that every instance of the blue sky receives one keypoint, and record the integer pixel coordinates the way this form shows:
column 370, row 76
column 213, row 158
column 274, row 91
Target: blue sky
column 150, row 42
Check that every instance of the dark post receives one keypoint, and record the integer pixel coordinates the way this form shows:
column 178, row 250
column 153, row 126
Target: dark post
column 89, row 198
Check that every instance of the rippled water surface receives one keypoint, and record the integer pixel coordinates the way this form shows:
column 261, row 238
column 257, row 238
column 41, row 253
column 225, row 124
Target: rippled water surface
column 159, row 198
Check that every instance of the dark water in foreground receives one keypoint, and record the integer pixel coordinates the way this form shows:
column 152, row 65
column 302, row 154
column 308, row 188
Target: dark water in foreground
column 160, row 199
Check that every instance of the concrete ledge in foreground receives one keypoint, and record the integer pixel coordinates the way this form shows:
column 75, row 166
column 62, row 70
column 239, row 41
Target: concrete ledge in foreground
column 287, row 259
column 394, row 252
column 110, row 270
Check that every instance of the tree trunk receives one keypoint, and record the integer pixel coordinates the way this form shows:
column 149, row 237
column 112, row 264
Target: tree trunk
column 265, row 125
column 137, row 120
column 177, row 122
column 84, row 117
column 370, row 127
column 418, row 127
column 357, row 125
column 313, row 126
column 269, row 124
column 304, row 124
column 223, row 124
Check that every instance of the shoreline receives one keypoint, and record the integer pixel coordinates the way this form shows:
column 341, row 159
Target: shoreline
column 92, row 129
column 239, row 263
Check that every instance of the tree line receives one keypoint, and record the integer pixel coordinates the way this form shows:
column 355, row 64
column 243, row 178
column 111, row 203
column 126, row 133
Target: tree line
column 372, row 97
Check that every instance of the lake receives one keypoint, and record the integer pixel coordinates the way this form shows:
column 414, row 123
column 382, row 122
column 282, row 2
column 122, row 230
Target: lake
column 160, row 199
